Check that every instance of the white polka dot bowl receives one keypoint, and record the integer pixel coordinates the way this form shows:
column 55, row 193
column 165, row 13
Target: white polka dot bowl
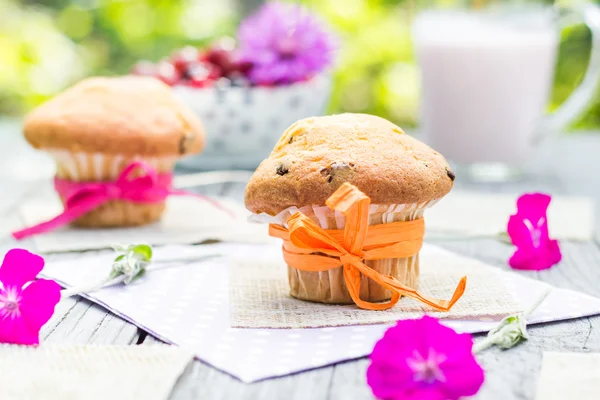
column 244, row 123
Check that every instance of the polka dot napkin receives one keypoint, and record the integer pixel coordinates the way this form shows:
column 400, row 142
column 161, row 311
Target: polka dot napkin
column 188, row 305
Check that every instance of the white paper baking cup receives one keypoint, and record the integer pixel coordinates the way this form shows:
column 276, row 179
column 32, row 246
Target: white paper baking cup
column 330, row 219
column 81, row 166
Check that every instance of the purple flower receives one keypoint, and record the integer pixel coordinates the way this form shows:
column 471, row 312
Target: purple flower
column 26, row 304
column 528, row 230
column 423, row 360
column 284, row 43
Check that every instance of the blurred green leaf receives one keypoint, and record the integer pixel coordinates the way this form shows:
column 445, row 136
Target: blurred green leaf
column 143, row 251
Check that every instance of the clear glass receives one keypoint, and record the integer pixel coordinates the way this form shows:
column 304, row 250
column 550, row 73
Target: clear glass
column 486, row 73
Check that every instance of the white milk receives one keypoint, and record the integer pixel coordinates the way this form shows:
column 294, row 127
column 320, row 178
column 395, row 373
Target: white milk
column 485, row 82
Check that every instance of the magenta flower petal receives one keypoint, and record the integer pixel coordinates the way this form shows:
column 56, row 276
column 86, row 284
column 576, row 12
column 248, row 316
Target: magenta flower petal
column 16, row 331
column 528, row 231
column 464, row 372
column 534, row 205
column 422, row 359
column 527, row 259
column 518, row 232
column 19, row 267
column 39, row 300
column 421, row 394
column 25, row 306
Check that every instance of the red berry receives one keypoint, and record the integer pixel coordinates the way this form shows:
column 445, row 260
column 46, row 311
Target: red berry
column 144, row 68
column 229, row 62
column 221, row 58
column 199, row 84
column 202, row 56
column 167, row 73
column 202, row 74
column 222, row 53
column 243, row 67
column 182, row 58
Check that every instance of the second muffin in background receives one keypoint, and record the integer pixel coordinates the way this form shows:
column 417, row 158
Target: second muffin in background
column 315, row 156
column 97, row 128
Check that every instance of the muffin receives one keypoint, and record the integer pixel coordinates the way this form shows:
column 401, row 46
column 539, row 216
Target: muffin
column 315, row 156
column 101, row 125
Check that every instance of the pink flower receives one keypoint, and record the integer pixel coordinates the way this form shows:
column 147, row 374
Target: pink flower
column 284, row 43
column 423, row 360
column 25, row 306
column 528, row 230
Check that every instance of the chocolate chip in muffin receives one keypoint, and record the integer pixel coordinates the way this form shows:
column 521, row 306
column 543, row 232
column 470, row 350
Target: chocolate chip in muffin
column 183, row 141
column 450, row 174
column 282, row 170
column 294, row 136
column 337, row 169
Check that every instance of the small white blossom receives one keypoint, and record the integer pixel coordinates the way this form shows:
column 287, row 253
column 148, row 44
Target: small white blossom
column 509, row 332
column 131, row 261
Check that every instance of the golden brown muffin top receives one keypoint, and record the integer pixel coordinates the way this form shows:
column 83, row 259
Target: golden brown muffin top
column 316, row 155
column 125, row 115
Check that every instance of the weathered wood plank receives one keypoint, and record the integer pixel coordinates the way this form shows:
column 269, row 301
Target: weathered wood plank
column 349, row 381
column 87, row 323
column 193, row 384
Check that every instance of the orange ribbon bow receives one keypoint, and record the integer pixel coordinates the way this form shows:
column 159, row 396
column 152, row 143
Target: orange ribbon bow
column 308, row 247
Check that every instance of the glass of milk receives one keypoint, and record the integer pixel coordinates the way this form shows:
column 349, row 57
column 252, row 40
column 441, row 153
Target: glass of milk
column 487, row 69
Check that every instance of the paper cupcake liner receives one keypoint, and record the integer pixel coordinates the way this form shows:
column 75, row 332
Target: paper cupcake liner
column 80, row 166
column 329, row 219
column 330, row 286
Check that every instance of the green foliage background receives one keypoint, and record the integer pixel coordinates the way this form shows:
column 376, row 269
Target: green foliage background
column 47, row 45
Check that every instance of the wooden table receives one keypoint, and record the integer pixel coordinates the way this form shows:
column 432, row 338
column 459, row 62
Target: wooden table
column 566, row 166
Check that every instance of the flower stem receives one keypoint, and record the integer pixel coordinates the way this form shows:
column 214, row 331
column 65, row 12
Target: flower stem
column 121, row 278
column 93, row 287
column 486, row 343
column 539, row 301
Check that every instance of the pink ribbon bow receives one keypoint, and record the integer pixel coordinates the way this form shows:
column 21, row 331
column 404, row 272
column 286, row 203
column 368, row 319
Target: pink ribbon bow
column 82, row 197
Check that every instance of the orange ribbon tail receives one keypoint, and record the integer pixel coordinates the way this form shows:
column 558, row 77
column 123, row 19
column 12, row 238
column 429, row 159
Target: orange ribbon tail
column 308, row 247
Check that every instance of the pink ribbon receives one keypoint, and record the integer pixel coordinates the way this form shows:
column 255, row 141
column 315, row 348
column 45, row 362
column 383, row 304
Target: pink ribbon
column 82, row 197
